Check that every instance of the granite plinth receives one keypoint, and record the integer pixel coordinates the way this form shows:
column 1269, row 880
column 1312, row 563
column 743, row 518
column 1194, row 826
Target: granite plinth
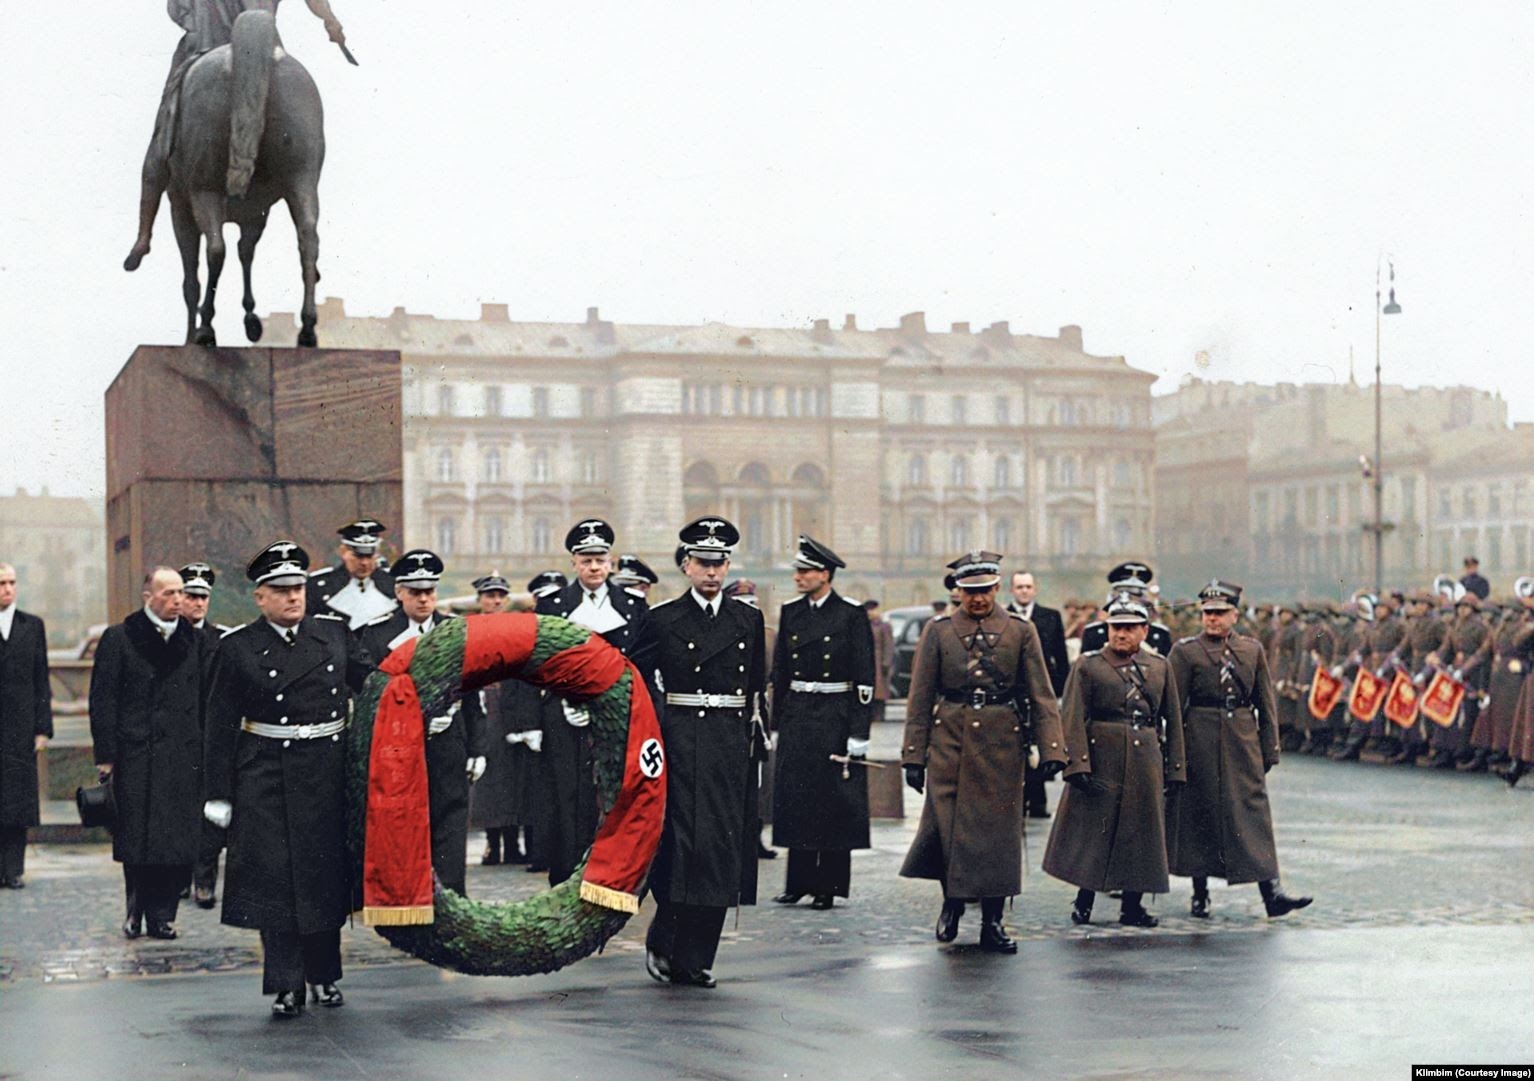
column 214, row 453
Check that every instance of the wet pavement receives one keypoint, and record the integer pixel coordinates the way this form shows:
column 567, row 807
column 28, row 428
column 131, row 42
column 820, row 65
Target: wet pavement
column 1418, row 949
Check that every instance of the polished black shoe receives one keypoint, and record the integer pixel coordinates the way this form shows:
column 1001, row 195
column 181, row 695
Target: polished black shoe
column 1348, row 752
column 1278, row 903
column 658, row 966
column 1199, row 909
column 765, row 853
column 1403, row 757
column 1080, row 916
column 788, row 898
column 1138, row 917
column 14, row 883
column 204, row 898
column 697, row 977
column 133, row 926
column 288, row 1004
column 948, row 920
column 1476, row 763
column 326, row 994
column 491, row 858
column 1038, row 811
column 994, row 938
column 1514, row 773
column 822, row 902
column 1442, row 760
column 159, row 929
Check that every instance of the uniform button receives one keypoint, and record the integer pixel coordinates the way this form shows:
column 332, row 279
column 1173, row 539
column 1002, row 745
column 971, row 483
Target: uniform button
column 333, row 690
column 335, row 739
column 827, row 638
column 701, row 713
column 697, row 668
column 825, row 656
column 742, row 668
column 1137, row 743
column 279, row 698
column 1053, row 744
column 739, row 691
column 273, row 673
column 936, row 721
column 283, row 721
column 1092, row 740
column 287, row 743
column 1083, row 758
column 691, row 646
column 740, row 645
column 974, row 724
column 330, row 668
column 335, row 713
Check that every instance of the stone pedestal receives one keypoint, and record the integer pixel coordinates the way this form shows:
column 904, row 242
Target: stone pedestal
column 215, row 453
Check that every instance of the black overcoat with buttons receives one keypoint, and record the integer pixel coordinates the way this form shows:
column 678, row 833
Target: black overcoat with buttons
column 287, row 868
column 566, row 756
column 1122, row 721
column 447, row 756
column 147, row 723
column 26, row 712
column 708, row 848
column 814, row 806
column 970, row 835
column 326, row 583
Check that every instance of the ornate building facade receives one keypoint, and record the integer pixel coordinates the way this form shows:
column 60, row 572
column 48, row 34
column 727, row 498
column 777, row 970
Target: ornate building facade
column 900, row 447
column 56, row 545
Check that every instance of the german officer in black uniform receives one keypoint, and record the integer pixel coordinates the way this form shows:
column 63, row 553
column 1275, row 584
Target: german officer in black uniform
column 623, row 620
column 633, row 575
column 822, row 693
column 197, row 580
column 357, row 587
column 275, row 777
column 455, row 742
column 1135, row 579
column 712, row 665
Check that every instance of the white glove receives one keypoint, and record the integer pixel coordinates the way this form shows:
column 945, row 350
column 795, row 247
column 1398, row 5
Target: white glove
column 857, row 748
column 576, row 716
column 219, row 812
column 533, row 739
column 475, row 768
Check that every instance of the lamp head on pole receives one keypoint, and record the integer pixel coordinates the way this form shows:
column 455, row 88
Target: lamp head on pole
column 1392, row 308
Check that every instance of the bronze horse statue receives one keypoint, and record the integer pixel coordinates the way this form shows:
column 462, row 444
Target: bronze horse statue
column 249, row 132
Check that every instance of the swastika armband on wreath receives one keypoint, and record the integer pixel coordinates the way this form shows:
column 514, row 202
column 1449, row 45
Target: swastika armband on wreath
column 388, row 808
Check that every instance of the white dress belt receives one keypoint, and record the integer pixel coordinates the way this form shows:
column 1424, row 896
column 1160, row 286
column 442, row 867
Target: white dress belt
column 810, row 687
column 293, row 731
column 707, row 701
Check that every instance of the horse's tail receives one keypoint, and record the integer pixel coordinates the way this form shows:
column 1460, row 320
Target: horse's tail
column 252, row 43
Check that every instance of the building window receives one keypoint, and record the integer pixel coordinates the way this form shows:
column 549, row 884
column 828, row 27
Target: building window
column 958, row 535
column 916, row 409
column 1494, row 501
column 1469, row 501
column 493, row 405
column 540, row 466
column 1068, row 413
column 495, row 535
column 1003, row 410
column 588, row 401
column 756, row 401
column 492, row 466
column 540, row 401
column 1122, row 476
column 589, row 472
column 1312, row 507
column 1123, row 416
column 960, row 409
column 1122, row 531
column 541, row 536
column 1409, row 498
column 445, row 400
column 1065, row 469
column 1003, row 474
column 445, row 467
column 447, row 534
column 1070, row 536
column 916, row 537
column 958, row 471
column 916, row 470
column 1333, row 504
column 1261, row 505
column 822, row 401
column 1001, row 531
column 1445, row 510
column 1494, row 549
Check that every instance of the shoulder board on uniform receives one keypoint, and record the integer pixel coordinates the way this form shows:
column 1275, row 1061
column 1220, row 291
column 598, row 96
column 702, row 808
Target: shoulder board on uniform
column 795, row 600
column 319, row 571
column 227, row 631
column 939, row 619
column 222, row 629
column 1089, row 653
column 375, row 621
column 849, row 600
column 664, row 603
column 1187, row 638
column 743, row 604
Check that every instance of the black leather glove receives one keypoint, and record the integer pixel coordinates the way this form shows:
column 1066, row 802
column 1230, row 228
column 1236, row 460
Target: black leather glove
column 1051, row 770
column 1081, row 782
column 916, row 777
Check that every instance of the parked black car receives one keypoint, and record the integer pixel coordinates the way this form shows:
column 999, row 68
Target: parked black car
column 906, row 623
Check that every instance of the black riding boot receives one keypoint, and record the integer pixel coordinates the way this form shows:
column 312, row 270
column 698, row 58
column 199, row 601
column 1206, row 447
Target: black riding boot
column 1277, row 902
column 1081, row 908
column 993, row 937
column 1200, row 907
column 1132, row 911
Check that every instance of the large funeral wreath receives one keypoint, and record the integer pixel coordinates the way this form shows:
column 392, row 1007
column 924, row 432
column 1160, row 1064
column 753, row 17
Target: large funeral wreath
column 387, row 818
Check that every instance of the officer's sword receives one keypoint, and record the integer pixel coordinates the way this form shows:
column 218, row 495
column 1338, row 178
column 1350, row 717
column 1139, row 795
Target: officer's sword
column 847, row 760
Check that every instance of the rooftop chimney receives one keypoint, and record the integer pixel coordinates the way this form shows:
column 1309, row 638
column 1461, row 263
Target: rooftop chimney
column 494, row 313
column 851, row 322
column 1070, row 336
column 821, row 331
column 603, row 327
column 593, row 316
column 914, row 324
column 960, row 328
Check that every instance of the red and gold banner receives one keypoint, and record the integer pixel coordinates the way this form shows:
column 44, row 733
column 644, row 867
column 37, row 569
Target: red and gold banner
column 1401, row 702
column 1442, row 699
column 1325, row 692
column 1368, row 695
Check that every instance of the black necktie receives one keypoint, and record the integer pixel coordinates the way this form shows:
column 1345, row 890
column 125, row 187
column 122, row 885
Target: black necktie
column 711, row 612
column 291, row 636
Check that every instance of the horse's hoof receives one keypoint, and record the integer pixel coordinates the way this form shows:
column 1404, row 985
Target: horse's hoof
column 206, row 337
column 135, row 257
column 253, row 326
column 307, row 339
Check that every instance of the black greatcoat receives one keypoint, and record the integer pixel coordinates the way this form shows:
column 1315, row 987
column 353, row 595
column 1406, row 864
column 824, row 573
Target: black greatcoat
column 287, row 868
column 492, row 798
column 813, row 806
column 146, row 720
column 327, row 582
column 567, row 749
column 708, row 849
column 1094, row 638
column 26, row 712
column 447, row 753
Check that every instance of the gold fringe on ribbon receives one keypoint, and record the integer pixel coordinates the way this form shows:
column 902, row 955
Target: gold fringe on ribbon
column 607, row 897
column 399, row 916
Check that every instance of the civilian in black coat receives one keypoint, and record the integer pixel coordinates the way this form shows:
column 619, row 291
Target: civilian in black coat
column 1057, row 662
column 26, row 725
column 146, row 727
column 197, row 592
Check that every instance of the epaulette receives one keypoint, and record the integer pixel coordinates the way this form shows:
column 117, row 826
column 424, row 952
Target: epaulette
column 230, row 630
column 370, row 623
column 1089, row 653
column 849, row 600
column 319, row 571
column 939, row 619
column 796, row 600
column 662, row 604
column 1187, row 638
column 330, row 615
column 223, row 630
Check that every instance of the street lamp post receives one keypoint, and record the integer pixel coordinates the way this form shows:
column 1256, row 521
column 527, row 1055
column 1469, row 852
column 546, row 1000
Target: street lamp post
column 1379, row 527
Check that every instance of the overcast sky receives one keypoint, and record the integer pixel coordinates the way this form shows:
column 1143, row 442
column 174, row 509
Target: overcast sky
column 1193, row 177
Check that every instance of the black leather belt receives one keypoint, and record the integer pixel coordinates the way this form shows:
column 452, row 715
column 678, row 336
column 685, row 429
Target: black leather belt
column 979, row 697
column 1218, row 703
column 1132, row 722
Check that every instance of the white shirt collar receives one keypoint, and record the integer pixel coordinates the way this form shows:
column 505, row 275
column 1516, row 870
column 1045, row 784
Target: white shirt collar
column 282, row 632
column 200, row 624
column 167, row 627
column 593, row 596
column 420, row 627
column 7, row 616
column 704, row 603
column 817, row 603
column 1026, row 610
